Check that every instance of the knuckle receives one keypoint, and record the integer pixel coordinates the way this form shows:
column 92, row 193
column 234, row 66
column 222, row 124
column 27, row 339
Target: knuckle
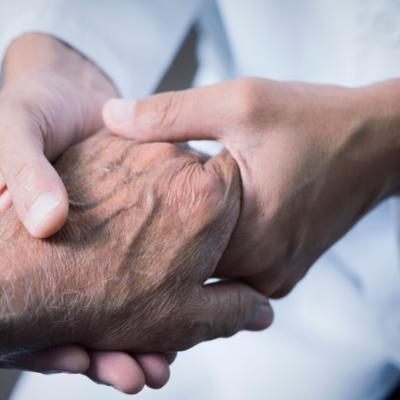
column 248, row 104
column 22, row 175
column 164, row 151
column 232, row 314
column 161, row 111
column 211, row 197
column 200, row 192
column 210, row 201
column 237, row 315
column 16, row 104
column 23, row 119
column 211, row 190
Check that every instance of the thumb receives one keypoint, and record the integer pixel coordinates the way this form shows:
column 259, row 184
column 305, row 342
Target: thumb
column 36, row 190
column 200, row 113
column 233, row 306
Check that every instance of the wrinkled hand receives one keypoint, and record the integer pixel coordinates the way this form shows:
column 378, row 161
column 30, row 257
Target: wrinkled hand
column 310, row 165
column 52, row 98
column 148, row 224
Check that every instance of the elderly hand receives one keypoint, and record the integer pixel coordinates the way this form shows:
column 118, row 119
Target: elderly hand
column 313, row 159
column 148, row 224
column 52, row 98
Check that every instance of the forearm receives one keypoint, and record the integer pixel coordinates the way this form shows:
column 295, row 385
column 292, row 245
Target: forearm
column 377, row 139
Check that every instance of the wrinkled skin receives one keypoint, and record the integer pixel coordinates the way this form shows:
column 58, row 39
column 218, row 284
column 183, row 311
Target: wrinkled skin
column 51, row 97
column 148, row 224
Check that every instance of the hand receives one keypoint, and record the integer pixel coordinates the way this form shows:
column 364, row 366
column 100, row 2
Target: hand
column 313, row 159
column 52, row 98
column 147, row 226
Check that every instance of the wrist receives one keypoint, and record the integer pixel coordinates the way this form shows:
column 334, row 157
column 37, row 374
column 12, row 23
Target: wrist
column 18, row 305
column 39, row 307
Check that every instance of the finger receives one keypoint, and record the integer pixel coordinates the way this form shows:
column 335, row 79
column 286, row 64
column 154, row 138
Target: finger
column 36, row 190
column 200, row 113
column 117, row 369
column 229, row 307
column 155, row 368
column 72, row 359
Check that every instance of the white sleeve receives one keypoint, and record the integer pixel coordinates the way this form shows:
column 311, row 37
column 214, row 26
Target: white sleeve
column 132, row 41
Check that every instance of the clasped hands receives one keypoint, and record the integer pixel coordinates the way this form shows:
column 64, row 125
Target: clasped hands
column 147, row 226
column 149, row 223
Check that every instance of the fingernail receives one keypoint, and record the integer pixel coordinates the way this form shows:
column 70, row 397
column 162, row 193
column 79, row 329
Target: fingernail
column 262, row 318
column 45, row 203
column 119, row 111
